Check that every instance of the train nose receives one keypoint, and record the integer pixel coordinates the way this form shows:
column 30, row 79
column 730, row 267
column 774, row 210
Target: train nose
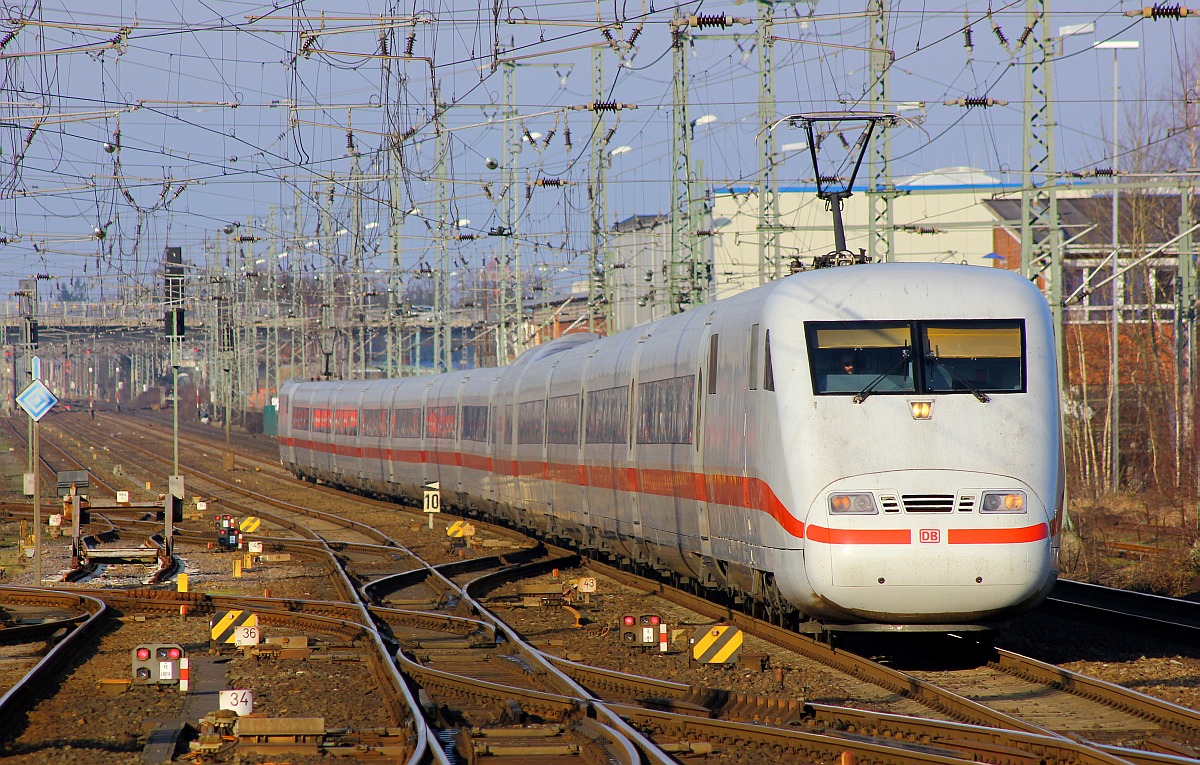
column 912, row 556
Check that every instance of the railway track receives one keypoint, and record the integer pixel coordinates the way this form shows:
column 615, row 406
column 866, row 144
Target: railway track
column 1170, row 617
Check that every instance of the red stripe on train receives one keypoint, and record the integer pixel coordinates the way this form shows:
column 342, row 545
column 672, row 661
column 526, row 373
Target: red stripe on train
column 859, row 536
column 731, row 490
column 1033, row 533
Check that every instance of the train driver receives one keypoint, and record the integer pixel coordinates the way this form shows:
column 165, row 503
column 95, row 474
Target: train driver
column 846, row 364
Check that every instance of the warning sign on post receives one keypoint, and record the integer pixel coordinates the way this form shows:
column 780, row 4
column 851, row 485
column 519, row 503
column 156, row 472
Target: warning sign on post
column 718, row 644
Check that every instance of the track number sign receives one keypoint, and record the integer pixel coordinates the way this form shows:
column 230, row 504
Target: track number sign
column 246, row 635
column 433, row 497
column 241, row 701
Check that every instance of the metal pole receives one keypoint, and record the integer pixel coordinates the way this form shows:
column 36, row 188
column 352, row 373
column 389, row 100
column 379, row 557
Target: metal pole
column 228, row 404
column 1116, row 314
column 37, row 508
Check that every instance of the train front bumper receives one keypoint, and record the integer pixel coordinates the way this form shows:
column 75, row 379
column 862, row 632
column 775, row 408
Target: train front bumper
column 929, row 558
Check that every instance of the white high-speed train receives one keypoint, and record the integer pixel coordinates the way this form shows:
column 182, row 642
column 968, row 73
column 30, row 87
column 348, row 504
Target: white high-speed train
column 871, row 446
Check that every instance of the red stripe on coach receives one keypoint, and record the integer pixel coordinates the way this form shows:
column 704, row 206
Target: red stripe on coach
column 997, row 536
column 859, row 536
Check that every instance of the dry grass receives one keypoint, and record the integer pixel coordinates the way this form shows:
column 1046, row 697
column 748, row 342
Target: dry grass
column 1146, row 543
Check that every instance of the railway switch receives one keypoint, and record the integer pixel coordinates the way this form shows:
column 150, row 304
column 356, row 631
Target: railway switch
column 156, row 663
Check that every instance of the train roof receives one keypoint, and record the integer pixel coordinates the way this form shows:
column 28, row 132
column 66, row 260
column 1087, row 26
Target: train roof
column 918, row 290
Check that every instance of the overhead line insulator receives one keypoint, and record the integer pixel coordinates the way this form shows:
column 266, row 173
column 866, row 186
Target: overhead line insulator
column 1162, row 11
column 972, row 101
column 708, row 20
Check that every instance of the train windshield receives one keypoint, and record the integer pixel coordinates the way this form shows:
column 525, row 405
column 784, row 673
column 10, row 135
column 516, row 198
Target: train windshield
column 848, row 357
column 971, row 356
column 878, row 358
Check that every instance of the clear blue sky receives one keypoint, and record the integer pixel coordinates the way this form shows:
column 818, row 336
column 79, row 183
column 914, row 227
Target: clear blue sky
column 200, row 94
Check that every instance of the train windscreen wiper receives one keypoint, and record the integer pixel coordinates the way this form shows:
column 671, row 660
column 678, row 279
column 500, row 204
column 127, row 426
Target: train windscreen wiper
column 983, row 397
column 862, row 394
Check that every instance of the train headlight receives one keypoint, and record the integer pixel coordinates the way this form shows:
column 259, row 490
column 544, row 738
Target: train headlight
column 852, row 504
column 1003, row 502
column 921, row 410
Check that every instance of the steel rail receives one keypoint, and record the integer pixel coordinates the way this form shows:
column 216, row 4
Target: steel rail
column 984, row 743
column 1165, row 713
column 1173, row 617
column 958, row 707
column 21, row 695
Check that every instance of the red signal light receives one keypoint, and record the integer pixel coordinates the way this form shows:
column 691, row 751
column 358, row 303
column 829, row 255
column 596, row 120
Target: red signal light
column 174, row 653
column 143, row 654
column 628, row 620
column 654, row 619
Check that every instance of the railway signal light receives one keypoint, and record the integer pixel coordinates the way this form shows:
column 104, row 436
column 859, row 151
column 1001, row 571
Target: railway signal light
column 641, row 630
column 156, row 663
column 228, row 535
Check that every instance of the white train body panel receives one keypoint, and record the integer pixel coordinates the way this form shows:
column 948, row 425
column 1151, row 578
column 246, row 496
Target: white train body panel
column 725, row 445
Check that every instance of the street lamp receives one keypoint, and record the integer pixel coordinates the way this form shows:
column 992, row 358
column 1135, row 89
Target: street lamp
column 1115, row 414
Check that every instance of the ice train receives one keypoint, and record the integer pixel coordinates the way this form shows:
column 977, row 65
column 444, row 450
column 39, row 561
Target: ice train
column 863, row 447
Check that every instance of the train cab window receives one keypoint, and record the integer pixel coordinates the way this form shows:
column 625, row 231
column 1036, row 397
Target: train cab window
column 846, row 358
column 973, row 356
column 712, row 364
column 768, row 369
column 752, row 367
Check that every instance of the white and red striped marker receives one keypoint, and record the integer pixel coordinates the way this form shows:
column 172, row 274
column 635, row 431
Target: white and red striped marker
column 184, row 674
column 662, row 637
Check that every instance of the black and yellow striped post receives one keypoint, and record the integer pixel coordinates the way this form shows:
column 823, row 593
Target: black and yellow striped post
column 718, row 644
column 224, row 625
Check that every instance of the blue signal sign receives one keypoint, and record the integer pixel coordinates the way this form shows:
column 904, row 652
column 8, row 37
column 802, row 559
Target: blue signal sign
column 36, row 400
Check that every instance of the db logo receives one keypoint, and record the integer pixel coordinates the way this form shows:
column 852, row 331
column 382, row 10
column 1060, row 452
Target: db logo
column 931, row 536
